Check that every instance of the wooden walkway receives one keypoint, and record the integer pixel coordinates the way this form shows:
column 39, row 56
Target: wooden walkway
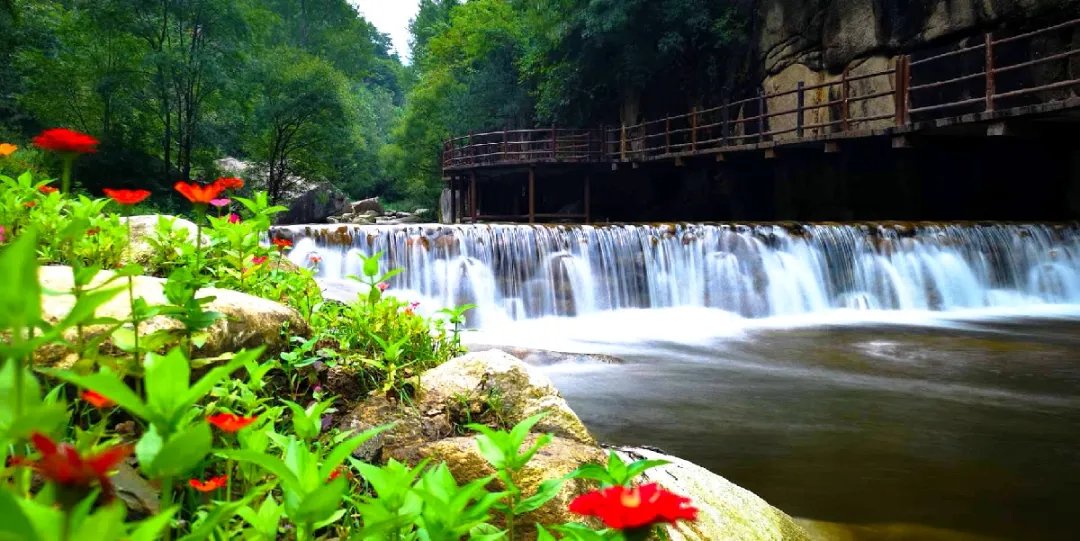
column 977, row 83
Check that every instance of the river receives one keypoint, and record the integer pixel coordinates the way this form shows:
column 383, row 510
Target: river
column 884, row 381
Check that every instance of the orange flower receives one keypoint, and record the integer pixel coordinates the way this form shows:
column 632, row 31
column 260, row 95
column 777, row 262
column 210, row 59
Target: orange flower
column 7, row 149
column 281, row 243
column 66, row 141
column 625, row 508
column 127, row 197
column 199, row 194
column 210, row 484
column 229, row 422
column 46, row 189
column 97, row 400
column 230, row 183
column 338, row 472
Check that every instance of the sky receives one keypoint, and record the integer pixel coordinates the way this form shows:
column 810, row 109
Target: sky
column 391, row 17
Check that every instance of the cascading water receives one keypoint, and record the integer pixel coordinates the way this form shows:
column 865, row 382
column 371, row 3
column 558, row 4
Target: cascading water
column 514, row 272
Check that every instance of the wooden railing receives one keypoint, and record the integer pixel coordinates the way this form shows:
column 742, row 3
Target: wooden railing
column 553, row 145
column 993, row 74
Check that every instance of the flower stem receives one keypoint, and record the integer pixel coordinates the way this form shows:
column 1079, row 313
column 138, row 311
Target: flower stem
column 131, row 298
column 65, row 178
column 166, row 502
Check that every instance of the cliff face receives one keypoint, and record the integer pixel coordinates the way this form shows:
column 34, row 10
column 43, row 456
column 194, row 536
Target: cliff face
column 831, row 34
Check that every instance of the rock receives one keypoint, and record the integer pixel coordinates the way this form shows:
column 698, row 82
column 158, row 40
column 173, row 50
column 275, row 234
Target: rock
column 727, row 511
column 368, row 205
column 512, row 388
column 138, row 495
column 555, row 460
column 250, row 321
column 144, row 228
column 315, row 206
column 489, row 387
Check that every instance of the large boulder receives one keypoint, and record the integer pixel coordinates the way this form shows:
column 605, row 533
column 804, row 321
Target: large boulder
column 500, row 382
column 726, row 511
column 145, row 227
column 249, row 321
column 315, row 206
column 487, row 387
column 372, row 205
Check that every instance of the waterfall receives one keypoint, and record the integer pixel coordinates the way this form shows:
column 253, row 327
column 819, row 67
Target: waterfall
column 515, row 272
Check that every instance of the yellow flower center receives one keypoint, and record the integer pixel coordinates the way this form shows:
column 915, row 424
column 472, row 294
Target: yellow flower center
column 631, row 498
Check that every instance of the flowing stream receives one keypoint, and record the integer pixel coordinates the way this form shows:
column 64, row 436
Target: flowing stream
column 918, row 381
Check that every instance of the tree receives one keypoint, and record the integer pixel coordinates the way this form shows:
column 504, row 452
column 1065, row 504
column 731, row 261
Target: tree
column 302, row 119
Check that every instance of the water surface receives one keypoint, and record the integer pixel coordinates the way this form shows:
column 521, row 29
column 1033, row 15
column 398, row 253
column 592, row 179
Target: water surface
column 968, row 424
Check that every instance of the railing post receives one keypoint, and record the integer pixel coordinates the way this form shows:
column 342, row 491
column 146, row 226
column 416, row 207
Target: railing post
column 693, row 128
column 845, row 108
column 725, row 127
column 554, row 144
column 902, row 99
column 505, row 145
column 622, row 143
column 800, row 102
column 588, row 144
column 990, row 86
column 667, row 135
column 761, row 115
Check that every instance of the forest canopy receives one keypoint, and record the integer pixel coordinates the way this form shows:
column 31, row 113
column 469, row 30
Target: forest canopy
column 309, row 89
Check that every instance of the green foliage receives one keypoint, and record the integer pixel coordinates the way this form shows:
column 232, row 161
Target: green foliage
column 275, row 472
column 171, row 87
column 616, row 472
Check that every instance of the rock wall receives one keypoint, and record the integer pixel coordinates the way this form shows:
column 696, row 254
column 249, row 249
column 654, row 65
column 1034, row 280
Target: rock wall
column 829, row 35
column 815, row 41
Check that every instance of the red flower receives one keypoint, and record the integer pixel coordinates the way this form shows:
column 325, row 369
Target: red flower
column 200, row 194
column 338, row 472
column 281, row 243
column 46, row 189
column 210, row 484
column 65, row 140
column 229, row 422
column 62, row 464
column 383, row 286
column 30, row 204
column 97, row 400
column 127, row 197
column 259, row 260
column 229, row 183
column 624, row 508
column 234, row 218
column 314, row 259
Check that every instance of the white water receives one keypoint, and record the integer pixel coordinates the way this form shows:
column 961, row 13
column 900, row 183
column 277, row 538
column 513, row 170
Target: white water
column 710, row 276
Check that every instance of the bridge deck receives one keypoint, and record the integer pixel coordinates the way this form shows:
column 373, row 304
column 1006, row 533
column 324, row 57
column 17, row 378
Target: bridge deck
column 968, row 86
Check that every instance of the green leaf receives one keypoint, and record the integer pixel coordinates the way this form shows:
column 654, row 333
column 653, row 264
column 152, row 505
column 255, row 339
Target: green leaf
column 221, row 513
column 544, row 493
column 343, row 450
column 15, row 525
column 167, row 378
column 20, row 298
column 593, row 472
column 106, row 524
column 371, row 265
column 108, row 385
column 321, row 503
column 151, row 528
column 543, row 535
column 176, row 456
column 272, row 465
